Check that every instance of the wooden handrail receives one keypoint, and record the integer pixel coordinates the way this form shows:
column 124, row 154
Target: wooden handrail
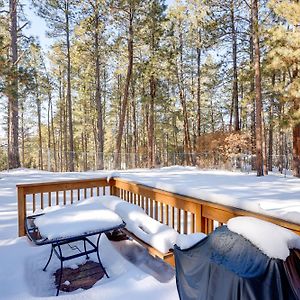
column 48, row 188
column 185, row 214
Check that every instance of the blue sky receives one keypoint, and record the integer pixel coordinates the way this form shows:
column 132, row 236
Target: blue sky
column 38, row 26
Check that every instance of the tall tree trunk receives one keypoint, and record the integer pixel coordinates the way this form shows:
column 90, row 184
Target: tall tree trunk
column 264, row 144
column 100, row 136
column 199, row 52
column 39, row 115
column 235, row 97
column 117, row 155
column 61, row 118
column 65, row 124
column 22, row 136
column 39, row 119
column 258, row 100
column 296, row 145
column 253, row 106
column 281, row 140
column 135, row 129
column 69, row 96
column 271, row 129
column 182, row 96
column 151, row 122
column 49, row 132
column 212, row 116
column 13, row 104
column 296, row 150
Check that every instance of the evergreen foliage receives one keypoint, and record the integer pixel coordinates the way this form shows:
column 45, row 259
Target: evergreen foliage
column 131, row 83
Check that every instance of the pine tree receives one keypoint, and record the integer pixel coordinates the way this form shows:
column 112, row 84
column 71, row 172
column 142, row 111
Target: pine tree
column 13, row 105
column 258, row 96
column 284, row 59
column 59, row 16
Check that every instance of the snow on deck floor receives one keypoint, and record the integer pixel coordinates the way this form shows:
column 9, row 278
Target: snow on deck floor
column 21, row 262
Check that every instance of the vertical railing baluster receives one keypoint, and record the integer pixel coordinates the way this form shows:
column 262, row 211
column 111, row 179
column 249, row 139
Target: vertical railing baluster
column 142, row 201
column 192, row 227
column 155, row 210
column 173, row 217
column 151, row 208
column 42, row 200
column 210, row 225
column 57, row 198
column 185, row 222
column 33, row 203
column 147, row 205
column 167, row 214
column 178, row 220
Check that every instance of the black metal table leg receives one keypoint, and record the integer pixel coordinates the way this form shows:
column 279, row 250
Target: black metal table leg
column 61, row 269
column 84, row 242
column 97, row 248
column 57, row 243
column 44, row 269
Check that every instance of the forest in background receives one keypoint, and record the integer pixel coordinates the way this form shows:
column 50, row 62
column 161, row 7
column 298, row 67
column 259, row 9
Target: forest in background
column 132, row 83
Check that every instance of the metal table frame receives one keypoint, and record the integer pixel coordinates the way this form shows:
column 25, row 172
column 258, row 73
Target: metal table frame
column 34, row 235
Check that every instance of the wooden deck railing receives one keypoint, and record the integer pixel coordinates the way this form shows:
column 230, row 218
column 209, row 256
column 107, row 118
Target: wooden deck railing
column 34, row 196
column 185, row 214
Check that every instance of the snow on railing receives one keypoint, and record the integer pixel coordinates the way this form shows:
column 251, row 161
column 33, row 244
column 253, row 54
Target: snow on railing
column 184, row 214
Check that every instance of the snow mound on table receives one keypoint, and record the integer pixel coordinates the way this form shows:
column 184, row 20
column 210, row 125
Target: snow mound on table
column 185, row 241
column 154, row 233
column 271, row 239
column 76, row 219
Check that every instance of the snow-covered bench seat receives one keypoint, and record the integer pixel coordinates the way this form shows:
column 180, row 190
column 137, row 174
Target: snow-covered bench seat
column 159, row 239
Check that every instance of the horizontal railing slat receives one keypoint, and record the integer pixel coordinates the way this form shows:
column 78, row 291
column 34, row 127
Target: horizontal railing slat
column 31, row 188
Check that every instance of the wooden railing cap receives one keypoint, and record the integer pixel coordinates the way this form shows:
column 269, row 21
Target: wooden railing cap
column 67, row 181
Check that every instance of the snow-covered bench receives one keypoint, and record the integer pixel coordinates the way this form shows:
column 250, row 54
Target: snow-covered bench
column 159, row 239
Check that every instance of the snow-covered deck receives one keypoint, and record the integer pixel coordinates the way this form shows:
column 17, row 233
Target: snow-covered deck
column 21, row 263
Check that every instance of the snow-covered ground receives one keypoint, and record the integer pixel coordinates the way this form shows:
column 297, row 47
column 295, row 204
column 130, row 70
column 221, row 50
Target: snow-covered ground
column 21, row 263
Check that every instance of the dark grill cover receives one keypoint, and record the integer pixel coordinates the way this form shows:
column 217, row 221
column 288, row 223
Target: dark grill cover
column 226, row 266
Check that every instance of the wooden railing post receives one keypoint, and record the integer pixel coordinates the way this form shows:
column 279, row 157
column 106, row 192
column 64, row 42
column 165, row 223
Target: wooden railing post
column 21, row 211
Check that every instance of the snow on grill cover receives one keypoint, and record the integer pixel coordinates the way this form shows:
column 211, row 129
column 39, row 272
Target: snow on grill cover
column 226, row 266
